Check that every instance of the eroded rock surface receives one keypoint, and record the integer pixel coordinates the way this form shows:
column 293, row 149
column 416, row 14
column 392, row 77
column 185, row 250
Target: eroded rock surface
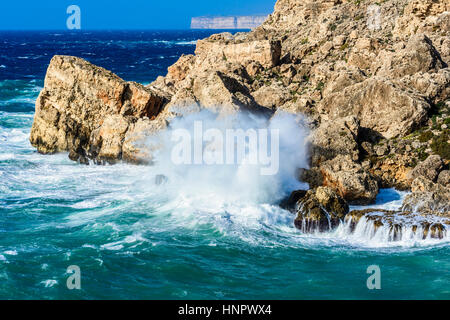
column 86, row 110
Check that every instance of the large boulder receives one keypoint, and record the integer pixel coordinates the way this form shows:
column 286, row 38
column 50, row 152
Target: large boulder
column 380, row 105
column 435, row 86
column 333, row 138
column 419, row 55
column 444, row 178
column 106, row 141
column 179, row 70
column 349, row 180
column 428, row 169
column 83, row 104
column 428, row 198
column 222, row 93
column 320, row 210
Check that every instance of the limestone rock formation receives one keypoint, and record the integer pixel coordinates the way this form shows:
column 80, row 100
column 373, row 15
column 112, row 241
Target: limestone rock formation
column 265, row 52
column 428, row 197
column 428, row 169
column 380, row 105
column 86, row 110
column 350, row 180
column 334, row 138
column 444, row 178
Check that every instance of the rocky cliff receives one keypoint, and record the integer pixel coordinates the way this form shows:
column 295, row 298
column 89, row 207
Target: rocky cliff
column 372, row 78
column 87, row 110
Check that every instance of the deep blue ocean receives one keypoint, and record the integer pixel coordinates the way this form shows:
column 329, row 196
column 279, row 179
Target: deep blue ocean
column 185, row 240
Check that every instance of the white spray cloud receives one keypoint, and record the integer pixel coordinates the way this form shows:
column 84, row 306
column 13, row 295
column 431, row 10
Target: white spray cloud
column 244, row 180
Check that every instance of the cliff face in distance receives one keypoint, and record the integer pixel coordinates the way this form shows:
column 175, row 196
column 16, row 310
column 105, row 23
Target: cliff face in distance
column 230, row 22
column 372, row 78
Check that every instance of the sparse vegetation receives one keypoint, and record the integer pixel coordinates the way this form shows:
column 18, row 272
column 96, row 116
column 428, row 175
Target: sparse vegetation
column 426, row 136
column 344, row 46
column 320, row 86
column 441, row 146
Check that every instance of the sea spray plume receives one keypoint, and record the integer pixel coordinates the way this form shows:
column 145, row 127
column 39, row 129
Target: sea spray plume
column 239, row 157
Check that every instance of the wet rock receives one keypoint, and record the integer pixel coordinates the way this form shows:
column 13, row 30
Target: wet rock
column 139, row 145
column 291, row 202
column 311, row 176
column 395, row 225
column 320, row 210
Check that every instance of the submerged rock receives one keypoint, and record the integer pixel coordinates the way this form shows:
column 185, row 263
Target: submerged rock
column 395, row 225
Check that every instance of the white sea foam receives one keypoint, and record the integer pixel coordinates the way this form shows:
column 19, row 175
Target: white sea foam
column 49, row 283
column 6, row 156
column 187, row 43
column 239, row 182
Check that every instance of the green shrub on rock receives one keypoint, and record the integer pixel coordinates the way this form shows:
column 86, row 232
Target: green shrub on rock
column 426, row 136
column 441, row 146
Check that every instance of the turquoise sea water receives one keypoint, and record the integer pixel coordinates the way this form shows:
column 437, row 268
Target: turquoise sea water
column 189, row 239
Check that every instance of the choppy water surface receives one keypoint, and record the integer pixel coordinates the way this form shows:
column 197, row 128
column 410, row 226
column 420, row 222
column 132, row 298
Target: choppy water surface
column 199, row 236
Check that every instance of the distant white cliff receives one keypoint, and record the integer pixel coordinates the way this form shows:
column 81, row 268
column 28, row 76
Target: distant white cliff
column 228, row 22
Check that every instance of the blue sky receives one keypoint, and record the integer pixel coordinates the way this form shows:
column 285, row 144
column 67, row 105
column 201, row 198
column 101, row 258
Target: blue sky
column 121, row 14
